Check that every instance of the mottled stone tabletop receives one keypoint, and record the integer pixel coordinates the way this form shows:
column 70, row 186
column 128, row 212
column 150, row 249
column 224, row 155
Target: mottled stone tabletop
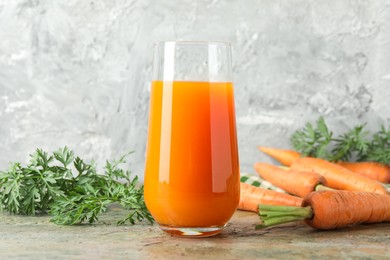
column 24, row 237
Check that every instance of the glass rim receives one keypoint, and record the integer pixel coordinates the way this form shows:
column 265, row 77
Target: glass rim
column 218, row 43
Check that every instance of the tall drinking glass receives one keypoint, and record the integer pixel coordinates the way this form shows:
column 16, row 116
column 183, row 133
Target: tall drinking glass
column 192, row 170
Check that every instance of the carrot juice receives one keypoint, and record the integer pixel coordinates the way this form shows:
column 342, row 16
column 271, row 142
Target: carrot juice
column 192, row 168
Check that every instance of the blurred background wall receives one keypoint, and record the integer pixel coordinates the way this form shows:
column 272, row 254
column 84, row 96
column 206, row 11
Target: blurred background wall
column 77, row 73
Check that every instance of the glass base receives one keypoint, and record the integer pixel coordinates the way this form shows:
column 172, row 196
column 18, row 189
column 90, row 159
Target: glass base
column 192, row 231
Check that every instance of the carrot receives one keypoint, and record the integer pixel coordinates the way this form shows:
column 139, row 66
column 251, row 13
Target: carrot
column 285, row 157
column 331, row 210
column 373, row 170
column 252, row 196
column 338, row 177
column 295, row 183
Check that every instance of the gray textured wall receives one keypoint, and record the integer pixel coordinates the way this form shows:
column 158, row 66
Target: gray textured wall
column 77, row 72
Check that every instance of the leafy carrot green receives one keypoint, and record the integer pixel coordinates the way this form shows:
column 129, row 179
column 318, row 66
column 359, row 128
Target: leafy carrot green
column 355, row 144
column 313, row 140
column 70, row 189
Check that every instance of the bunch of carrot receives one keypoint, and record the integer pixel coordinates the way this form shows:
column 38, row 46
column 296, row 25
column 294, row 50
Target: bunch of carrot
column 326, row 194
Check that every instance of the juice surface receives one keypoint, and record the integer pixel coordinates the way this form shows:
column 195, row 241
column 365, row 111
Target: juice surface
column 192, row 172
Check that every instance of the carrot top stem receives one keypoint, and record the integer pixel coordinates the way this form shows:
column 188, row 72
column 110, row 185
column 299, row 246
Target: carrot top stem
column 387, row 186
column 322, row 187
column 271, row 215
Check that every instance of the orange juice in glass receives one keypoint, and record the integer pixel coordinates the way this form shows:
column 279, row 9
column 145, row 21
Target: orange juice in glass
column 192, row 168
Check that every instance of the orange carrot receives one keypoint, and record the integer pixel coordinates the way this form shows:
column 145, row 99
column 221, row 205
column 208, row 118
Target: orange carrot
column 252, row 196
column 331, row 209
column 295, row 183
column 373, row 170
column 285, row 157
column 338, row 177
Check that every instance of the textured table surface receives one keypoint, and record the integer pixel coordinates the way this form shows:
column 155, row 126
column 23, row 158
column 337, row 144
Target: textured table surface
column 38, row 238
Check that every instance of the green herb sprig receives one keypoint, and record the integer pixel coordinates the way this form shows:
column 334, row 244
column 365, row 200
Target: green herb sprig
column 71, row 195
column 313, row 140
column 355, row 144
